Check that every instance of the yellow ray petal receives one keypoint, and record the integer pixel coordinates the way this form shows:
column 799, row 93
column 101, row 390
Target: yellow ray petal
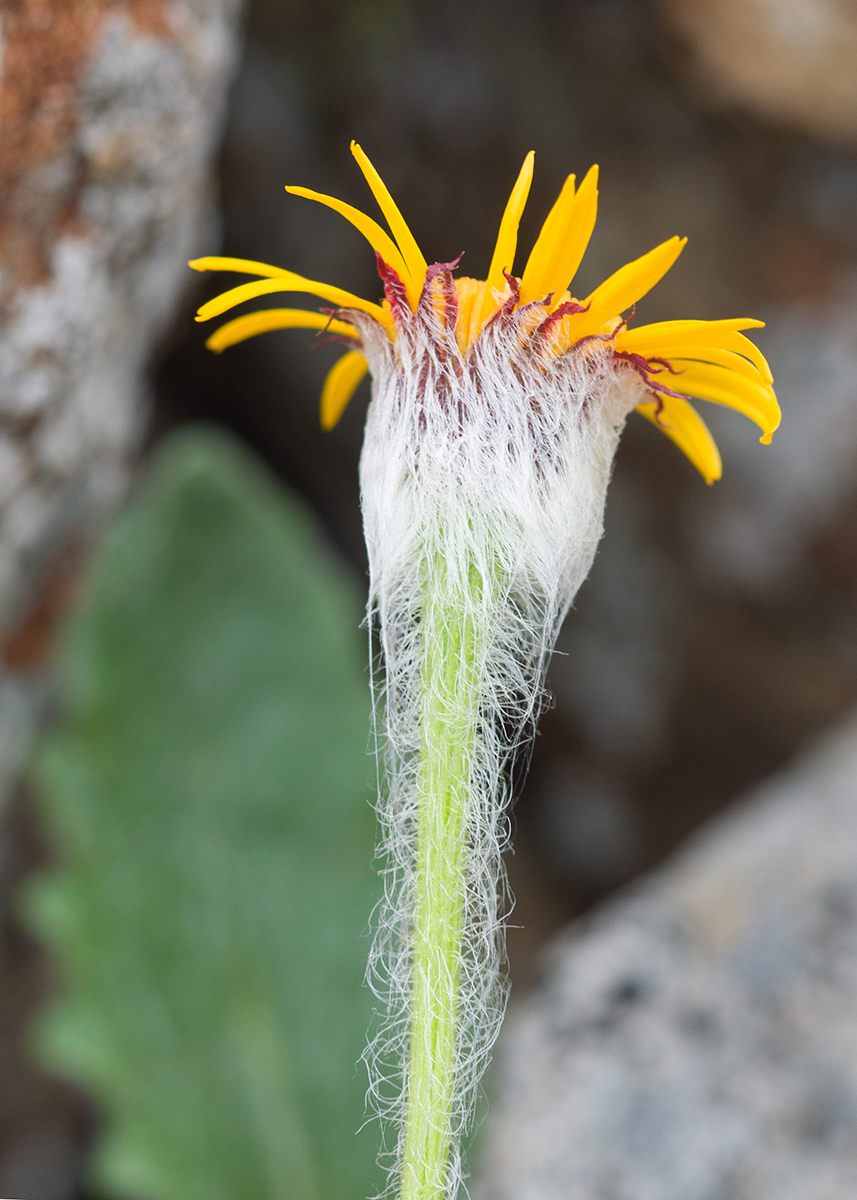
column 627, row 285
column 754, row 390
column 544, row 252
column 411, row 253
column 756, row 401
column 676, row 329
column 340, row 385
column 576, row 237
column 685, row 427
column 289, row 282
column 249, row 325
column 631, row 282
column 503, row 258
column 371, row 230
column 243, row 266
column 650, row 339
column 682, row 357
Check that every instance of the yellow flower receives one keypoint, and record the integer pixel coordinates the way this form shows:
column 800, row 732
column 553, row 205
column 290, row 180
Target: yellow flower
column 675, row 360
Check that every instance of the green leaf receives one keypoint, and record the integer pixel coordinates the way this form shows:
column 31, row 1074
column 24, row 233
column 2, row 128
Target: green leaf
column 208, row 794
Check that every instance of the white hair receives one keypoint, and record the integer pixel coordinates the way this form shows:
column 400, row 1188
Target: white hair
column 494, row 462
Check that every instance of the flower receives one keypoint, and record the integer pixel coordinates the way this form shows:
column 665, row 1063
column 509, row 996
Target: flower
column 675, row 361
column 496, row 411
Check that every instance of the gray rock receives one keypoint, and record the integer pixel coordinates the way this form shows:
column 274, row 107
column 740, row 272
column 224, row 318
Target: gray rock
column 111, row 115
column 697, row 1039
column 112, row 112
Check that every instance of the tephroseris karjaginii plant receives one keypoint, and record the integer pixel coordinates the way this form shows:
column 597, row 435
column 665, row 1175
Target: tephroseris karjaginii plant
column 496, row 410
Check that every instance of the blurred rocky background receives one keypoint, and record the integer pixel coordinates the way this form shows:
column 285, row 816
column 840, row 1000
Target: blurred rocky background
column 111, row 112
column 718, row 631
column 696, row 1038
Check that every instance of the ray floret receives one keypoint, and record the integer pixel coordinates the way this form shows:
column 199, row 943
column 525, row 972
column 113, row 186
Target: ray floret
column 340, row 385
column 415, row 263
column 537, row 281
column 288, row 282
column 268, row 319
column 503, row 258
column 380, row 241
column 711, row 361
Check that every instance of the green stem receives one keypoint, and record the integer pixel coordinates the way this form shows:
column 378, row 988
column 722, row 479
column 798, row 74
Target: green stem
column 449, row 718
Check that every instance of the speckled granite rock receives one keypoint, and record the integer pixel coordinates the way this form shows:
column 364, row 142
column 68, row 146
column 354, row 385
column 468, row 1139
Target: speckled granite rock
column 697, row 1040
column 110, row 112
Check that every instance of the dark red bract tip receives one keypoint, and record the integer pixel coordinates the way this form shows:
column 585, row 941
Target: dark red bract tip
column 394, row 289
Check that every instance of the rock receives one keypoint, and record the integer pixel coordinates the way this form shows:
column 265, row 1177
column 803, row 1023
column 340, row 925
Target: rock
column 790, row 61
column 110, row 115
column 697, row 1039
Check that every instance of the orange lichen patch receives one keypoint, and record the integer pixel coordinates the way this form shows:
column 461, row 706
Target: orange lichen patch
column 47, row 46
column 45, row 49
column 28, row 645
column 149, row 17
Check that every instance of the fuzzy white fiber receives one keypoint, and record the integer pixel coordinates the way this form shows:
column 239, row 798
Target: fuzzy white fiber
column 496, row 460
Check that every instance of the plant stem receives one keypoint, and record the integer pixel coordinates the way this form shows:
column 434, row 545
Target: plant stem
column 449, row 719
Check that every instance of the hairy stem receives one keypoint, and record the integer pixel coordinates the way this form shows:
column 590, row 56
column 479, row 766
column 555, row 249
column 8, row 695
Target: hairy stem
column 449, row 719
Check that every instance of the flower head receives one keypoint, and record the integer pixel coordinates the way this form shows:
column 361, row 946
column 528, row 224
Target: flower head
column 541, row 321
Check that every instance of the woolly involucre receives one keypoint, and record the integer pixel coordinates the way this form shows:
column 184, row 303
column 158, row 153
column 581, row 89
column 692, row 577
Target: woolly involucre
column 483, row 480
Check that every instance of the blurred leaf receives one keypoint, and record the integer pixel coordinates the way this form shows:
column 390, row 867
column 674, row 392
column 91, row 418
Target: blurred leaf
column 207, row 793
